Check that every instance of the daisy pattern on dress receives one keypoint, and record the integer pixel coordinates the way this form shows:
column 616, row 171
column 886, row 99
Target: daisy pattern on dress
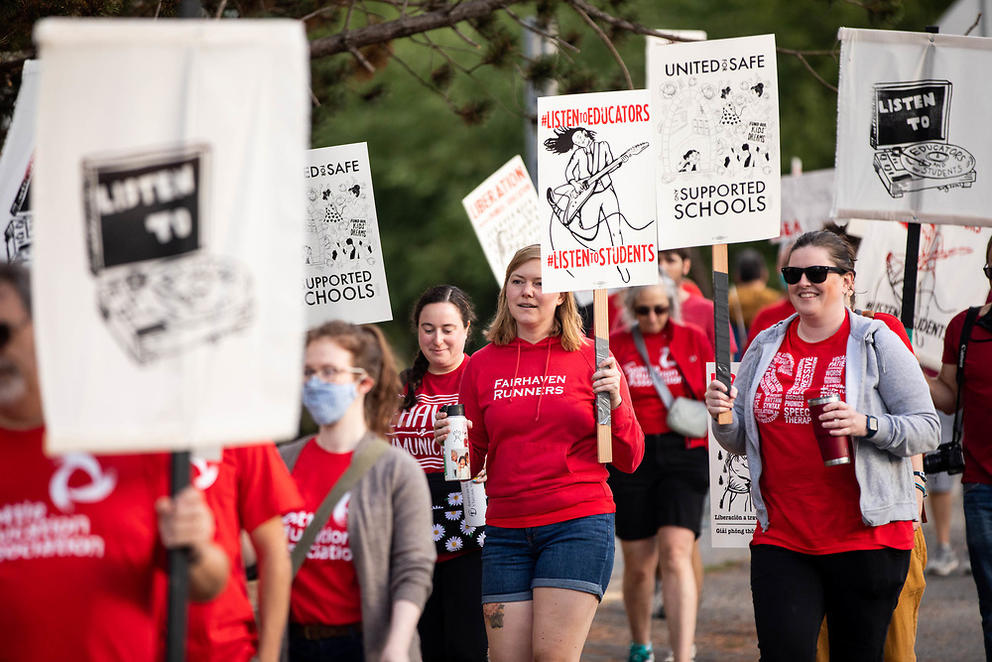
column 453, row 514
column 437, row 533
column 453, row 544
column 466, row 529
column 481, row 539
column 455, row 499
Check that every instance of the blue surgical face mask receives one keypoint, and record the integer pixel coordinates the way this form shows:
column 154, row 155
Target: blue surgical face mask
column 327, row 402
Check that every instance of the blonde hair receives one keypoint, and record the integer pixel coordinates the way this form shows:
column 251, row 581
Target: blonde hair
column 567, row 323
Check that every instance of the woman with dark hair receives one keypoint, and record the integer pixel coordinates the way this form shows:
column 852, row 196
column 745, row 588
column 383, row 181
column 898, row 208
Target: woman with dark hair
column 832, row 539
column 451, row 626
column 660, row 505
column 361, row 588
column 530, row 397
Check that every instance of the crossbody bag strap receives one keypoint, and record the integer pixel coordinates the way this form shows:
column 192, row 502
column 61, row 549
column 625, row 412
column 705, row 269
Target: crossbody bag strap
column 969, row 322
column 369, row 450
column 659, row 383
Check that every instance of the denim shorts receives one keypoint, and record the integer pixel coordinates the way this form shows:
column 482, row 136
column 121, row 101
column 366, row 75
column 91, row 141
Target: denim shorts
column 576, row 554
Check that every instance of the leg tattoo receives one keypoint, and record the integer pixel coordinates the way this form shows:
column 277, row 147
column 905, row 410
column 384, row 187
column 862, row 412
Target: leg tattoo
column 494, row 615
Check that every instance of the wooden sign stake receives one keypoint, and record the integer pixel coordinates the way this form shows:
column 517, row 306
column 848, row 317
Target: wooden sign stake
column 721, row 322
column 601, row 329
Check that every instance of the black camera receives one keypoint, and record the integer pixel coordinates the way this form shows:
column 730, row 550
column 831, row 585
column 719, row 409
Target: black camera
column 948, row 457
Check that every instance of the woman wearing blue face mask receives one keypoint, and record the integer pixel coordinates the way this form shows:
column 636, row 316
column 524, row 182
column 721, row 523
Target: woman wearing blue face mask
column 367, row 574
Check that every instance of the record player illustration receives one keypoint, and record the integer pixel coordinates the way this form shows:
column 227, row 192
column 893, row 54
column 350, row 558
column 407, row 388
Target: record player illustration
column 17, row 234
column 158, row 290
column 909, row 131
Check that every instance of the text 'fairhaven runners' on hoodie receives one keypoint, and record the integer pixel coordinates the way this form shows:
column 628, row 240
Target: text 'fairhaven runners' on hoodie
column 533, row 417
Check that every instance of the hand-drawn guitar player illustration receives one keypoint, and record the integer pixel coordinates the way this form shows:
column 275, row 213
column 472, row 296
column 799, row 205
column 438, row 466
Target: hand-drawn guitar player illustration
column 586, row 205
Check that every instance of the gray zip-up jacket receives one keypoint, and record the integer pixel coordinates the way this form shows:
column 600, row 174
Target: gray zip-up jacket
column 882, row 378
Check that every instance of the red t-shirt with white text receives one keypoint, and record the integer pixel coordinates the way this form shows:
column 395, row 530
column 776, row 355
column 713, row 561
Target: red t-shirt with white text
column 81, row 566
column 246, row 487
column 812, row 508
column 325, row 591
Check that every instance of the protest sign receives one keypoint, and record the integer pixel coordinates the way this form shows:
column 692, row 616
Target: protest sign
column 342, row 254
column 807, row 200
column 15, row 170
column 715, row 138
column 911, row 128
column 732, row 516
column 599, row 227
column 169, row 221
column 505, row 215
column 949, row 278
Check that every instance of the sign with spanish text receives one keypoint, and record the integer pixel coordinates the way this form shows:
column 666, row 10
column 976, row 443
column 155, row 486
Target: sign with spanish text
column 807, row 200
column 949, row 278
column 732, row 515
column 342, row 255
column 169, row 225
column 15, row 170
column 597, row 210
column 505, row 214
column 912, row 141
column 715, row 140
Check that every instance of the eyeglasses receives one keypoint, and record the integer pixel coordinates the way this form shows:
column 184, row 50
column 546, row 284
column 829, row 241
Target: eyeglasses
column 816, row 274
column 330, row 373
column 988, row 271
column 8, row 330
column 644, row 310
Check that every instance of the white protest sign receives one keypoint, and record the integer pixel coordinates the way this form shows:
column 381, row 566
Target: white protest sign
column 715, row 132
column 169, row 209
column 598, row 226
column 807, row 200
column 949, row 278
column 912, row 137
column 342, row 254
column 732, row 516
column 505, row 215
column 15, row 170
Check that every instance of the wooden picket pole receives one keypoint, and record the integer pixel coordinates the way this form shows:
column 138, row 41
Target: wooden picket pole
column 721, row 322
column 601, row 329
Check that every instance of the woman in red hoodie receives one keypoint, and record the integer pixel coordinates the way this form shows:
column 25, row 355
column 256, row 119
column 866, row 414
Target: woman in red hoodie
column 530, row 396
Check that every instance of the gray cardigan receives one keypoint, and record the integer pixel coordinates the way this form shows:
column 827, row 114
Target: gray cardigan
column 389, row 527
column 882, row 378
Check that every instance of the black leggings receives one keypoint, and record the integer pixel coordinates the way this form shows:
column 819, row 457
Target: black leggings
column 451, row 627
column 856, row 590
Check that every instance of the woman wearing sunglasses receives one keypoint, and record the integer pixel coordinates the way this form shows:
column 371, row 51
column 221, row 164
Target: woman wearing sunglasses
column 831, row 540
column 660, row 505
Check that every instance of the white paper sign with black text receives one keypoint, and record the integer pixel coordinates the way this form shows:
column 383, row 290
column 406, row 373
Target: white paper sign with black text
column 594, row 177
column 715, row 137
column 342, row 254
column 169, row 214
column 912, row 127
column 15, row 170
column 505, row 214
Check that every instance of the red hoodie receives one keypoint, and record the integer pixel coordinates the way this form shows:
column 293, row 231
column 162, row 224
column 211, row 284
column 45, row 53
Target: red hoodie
column 532, row 410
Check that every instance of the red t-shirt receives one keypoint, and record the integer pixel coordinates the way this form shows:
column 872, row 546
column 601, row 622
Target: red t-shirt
column 812, row 508
column 775, row 312
column 976, row 396
column 81, row 567
column 532, row 410
column 245, row 488
column 685, row 346
column 414, row 428
column 325, row 591
column 698, row 311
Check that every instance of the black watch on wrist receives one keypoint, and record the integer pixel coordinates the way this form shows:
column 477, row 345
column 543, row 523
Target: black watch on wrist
column 872, row 424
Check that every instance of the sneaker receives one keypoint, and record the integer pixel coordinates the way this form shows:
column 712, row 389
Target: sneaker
column 640, row 653
column 671, row 655
column 943, row 562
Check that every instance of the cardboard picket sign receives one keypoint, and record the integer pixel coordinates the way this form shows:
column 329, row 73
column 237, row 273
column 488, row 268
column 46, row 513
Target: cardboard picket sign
column 598, row 218
column 168, row 231
column 949, row 278
column 715, row 138
column 15, row 170
column 505, row 215
column 912, row 112
column 807, row 201
column 342, row 253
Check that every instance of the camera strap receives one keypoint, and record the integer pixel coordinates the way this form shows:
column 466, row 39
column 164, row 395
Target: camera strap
column 969, row 322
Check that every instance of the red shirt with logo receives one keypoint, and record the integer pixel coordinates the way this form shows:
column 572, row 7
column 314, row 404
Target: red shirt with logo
column 325, row 591
column 676, row 344
column 532, row 410
column 812, row 508
column 246, row 487
column 976, row 397
column 81, row 566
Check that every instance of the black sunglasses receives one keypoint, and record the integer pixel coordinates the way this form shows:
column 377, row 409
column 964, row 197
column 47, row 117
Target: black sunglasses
column 816, row 274
column 644, row 310
column 6, row 332
column 988, row 271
